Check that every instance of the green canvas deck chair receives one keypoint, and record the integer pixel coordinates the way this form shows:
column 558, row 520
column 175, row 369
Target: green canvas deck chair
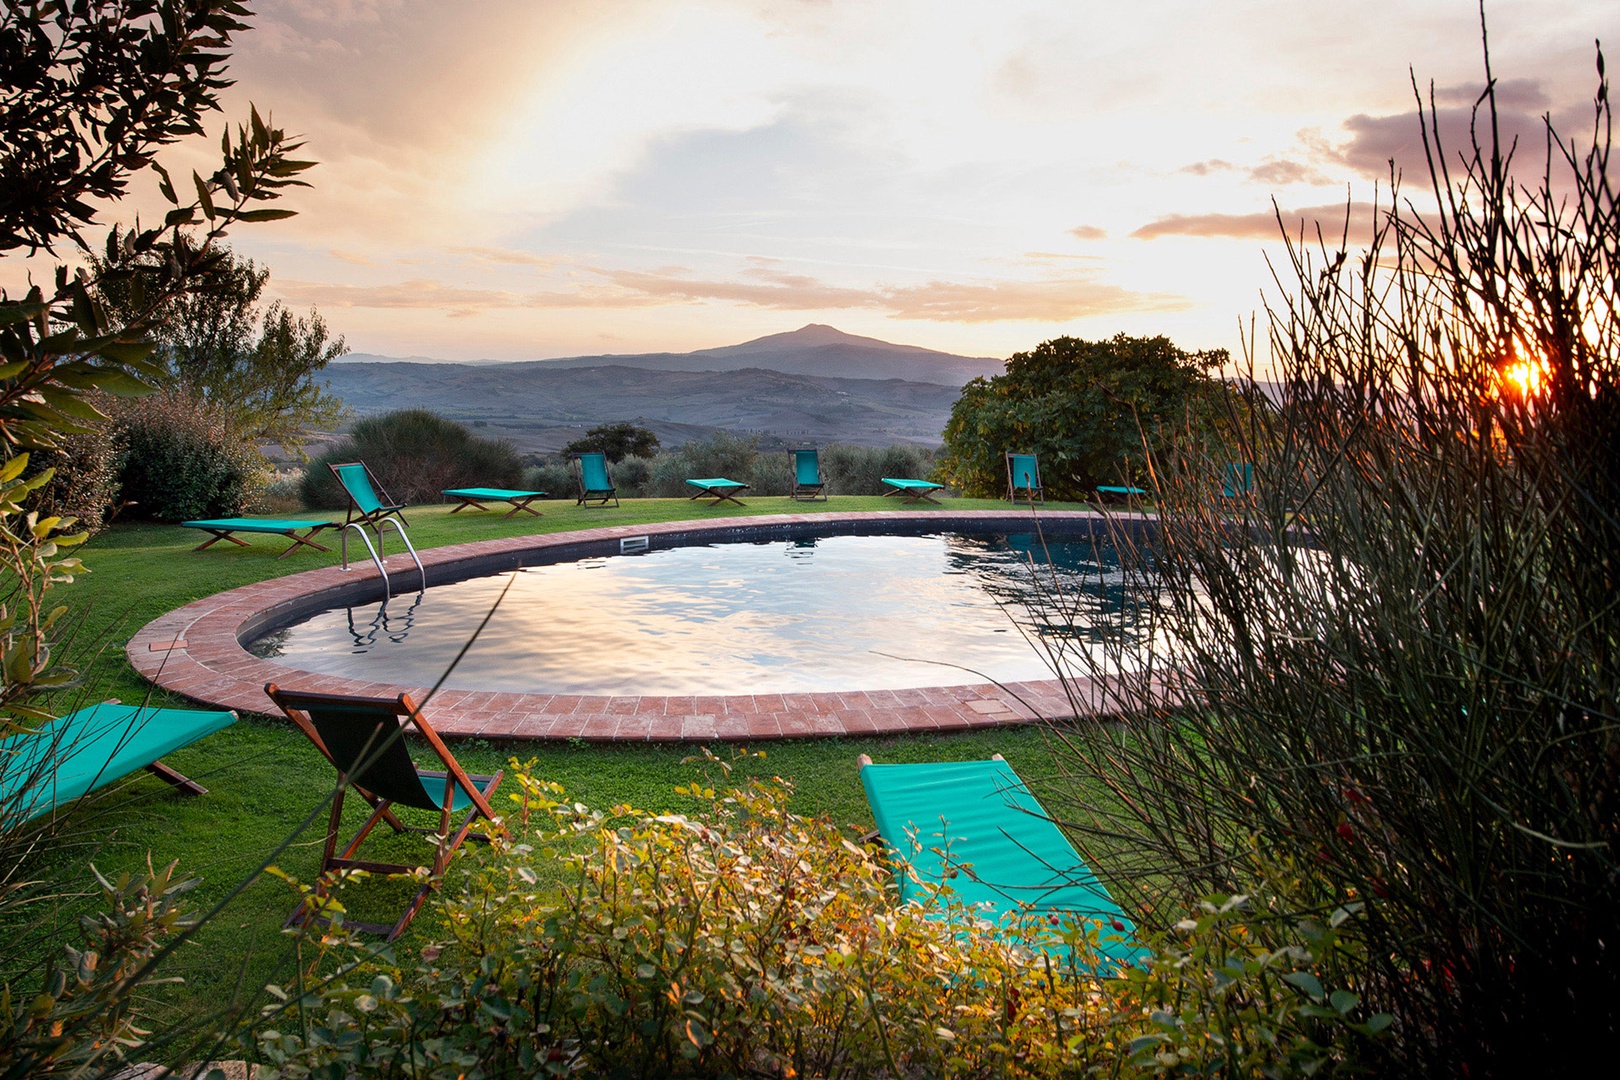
column 222, row 528
column 595, row 485
column 368, row 502
column 975, row 826
column 807, row 483
column 1238, row 481
column 93, row 747
column 364, row 739
column 1024, row 475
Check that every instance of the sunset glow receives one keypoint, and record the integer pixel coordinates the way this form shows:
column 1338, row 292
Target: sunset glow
column 517, row 179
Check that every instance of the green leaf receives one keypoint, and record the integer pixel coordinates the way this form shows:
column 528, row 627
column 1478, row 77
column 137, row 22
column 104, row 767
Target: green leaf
column 1306, row 982
column 265, row 215
column 1344, row 1001
column 203, row 196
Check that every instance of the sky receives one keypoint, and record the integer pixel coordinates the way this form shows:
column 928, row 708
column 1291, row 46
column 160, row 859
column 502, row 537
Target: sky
column 522, row 179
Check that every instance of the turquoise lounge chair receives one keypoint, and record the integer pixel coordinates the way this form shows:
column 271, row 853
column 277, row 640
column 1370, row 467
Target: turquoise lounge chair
column 973, row 825
column 368, row 502
column 364, row 740
column 595, row 485
column 93, row 747
column 913, row 490
column 1238, row 481
column 477, row 497
column 1024, row 474
column 222, row 528
column 807, row 483
column 719, row 489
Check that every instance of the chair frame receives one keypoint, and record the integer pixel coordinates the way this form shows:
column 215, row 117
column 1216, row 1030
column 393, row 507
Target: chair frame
column 1032, row 493
column 803, row 492
column 599, row 496
column 448, row 836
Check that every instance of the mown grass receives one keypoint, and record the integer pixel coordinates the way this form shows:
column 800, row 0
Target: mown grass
column 265, row 780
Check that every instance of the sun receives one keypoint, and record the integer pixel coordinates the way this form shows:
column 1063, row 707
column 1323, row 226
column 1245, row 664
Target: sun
column 1525, row 377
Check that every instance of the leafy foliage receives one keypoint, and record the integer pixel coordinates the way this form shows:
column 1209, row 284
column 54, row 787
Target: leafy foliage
column 31, row 564
column 253, row 366
column 746, row 940
column 83, row 1021
column 1086, row 407
column 618, row 441
column 84, row 477
column 180, row 461
column 1402, row 648
column 415, row 455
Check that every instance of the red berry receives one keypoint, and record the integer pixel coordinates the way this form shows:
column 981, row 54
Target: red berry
column 1346, row 833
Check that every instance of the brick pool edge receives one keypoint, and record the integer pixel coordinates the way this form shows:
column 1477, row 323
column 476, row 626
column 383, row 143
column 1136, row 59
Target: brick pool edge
column 195, row 651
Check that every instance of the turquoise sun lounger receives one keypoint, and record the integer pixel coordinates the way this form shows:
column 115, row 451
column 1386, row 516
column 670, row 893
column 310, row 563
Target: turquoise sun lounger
column 975, row 826
column 719, row 489
column 94, row 747
column 595, row 485
column 913, row 490
column 222, row 528
column 476, row 497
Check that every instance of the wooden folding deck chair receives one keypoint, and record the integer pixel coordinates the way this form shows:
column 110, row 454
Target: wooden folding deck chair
column 369, row 504
column 1024, row 475
column 364, row 738
column 222, row 528
column 96, row 746
column 913, row 490
column 975, row 826
column 807, row 482
column 595, row 485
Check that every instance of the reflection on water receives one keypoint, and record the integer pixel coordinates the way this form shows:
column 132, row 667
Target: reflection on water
column 845, row 612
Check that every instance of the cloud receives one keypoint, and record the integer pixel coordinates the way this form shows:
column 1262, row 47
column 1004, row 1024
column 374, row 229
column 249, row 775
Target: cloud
column 416, row 293
column 1374, row 141
column 351, row 257
column 1088, row 232
column 1271, row 172
column 506, row 256
column 1050, row 299
column 1263, row 225
column 1205, row 168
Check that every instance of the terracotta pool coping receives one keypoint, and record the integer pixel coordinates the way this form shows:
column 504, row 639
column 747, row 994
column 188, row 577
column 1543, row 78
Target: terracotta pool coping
column 194, row 651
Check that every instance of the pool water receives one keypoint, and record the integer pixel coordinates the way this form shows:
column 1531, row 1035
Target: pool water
column 832, row 613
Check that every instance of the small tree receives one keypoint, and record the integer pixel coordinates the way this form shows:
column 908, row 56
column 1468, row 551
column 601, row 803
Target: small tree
column 618, row 441
column 1085, row 407
column 253, row 366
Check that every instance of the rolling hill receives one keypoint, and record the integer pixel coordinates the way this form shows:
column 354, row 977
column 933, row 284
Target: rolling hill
column 814, row 385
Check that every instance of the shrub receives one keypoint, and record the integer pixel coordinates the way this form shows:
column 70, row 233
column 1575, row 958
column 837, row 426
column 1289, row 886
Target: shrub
column 617, row 441
column 84, row 483
column 1402, row 648
column 179, row 463
column 415, row 455
column 859, row 470
column 724, row 454
column 745, row 940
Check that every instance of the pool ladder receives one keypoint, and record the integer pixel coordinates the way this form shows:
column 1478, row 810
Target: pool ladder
column 388, row 592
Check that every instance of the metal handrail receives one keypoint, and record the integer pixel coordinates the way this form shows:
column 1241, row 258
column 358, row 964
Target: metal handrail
column 388, row 591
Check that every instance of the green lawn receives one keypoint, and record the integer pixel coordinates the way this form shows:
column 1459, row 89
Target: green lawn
column 264, row 779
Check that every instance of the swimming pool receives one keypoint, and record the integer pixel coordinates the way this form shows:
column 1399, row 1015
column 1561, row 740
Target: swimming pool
column 197, row 650
column 798, row 615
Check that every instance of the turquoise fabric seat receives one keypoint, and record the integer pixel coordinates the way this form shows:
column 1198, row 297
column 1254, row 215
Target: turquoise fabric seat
column 807, row 482
column 476, row 497
column 913, row 490
column 975, row 826
column 595, row 485
column 1024, row 475
column 93, row 747
column 719, row 489
column 1238, row 481
column 222, row 528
